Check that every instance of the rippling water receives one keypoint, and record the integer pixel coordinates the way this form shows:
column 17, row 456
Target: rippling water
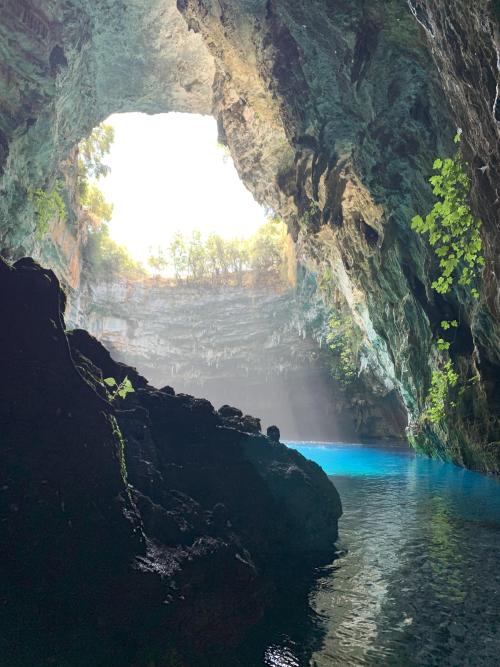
column 417, row 581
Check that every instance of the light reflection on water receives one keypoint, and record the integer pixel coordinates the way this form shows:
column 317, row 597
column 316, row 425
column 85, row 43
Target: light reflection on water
column 418, row 579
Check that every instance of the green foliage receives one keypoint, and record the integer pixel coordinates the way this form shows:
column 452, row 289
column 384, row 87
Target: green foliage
column 443, row 380
column 107, row 260
column 455, row 235
column 216, row 255
column 115, row 390
column 265, row 251
column 121, row 448
column 178, row 255
column 157, row 260
column 95, row 204
column 451, row 228
column 342, row 341
column 447, row 325
column 219, row 261
column 91, row 167
column 196, row 257
column 92, row 151
column 308, row 219
column 49, row 206
column 237, row 258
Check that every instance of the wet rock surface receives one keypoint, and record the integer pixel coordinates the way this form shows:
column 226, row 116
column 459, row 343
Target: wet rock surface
column 138, row 531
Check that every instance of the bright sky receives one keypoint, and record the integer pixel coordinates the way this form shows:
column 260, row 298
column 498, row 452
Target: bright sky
column 168, row 174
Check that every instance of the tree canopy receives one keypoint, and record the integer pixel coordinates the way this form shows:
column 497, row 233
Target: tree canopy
column 91, row 166
column 218, row 261
column 265, row 257
column 105, row 258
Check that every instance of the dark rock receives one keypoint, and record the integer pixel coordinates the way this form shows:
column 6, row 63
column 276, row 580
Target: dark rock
column 234, row 418
column 250, row 424
column 245, row 423
column 227, row 411
column 138, row 527
column 86, row 347
column 273, row 433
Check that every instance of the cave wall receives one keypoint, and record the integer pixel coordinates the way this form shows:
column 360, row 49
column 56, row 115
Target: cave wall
column 258, row 348
column 333, row 113
column 361, row 106
column 65, row 67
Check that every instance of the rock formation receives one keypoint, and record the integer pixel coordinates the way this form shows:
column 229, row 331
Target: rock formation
column 144, row 530
column 333, row 113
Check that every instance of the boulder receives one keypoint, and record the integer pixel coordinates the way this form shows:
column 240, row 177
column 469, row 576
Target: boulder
column 136, row 527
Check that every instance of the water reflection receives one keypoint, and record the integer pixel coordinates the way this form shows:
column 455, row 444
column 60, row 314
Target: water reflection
column 418, row 579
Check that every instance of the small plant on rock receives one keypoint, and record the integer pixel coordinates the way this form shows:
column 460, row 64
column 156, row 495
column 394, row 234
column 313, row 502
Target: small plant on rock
column 455, row 235
column 451, row 227
column 48, row 206
column 116, row 390
column 443, row 380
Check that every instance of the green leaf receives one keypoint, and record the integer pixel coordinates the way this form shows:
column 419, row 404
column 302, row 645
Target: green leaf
column 111, row 382
column 443, row 344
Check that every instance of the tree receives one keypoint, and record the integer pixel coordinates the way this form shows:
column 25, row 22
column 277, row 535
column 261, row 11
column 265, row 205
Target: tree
column 178, row 255
column 196, row 257
column 157, row 260
column 93, row 149
column 107, row 259
column 95, row 204
column 91, row 167
column 222, row 261
column 215, row 257
column 267, row 247
column 237, row 253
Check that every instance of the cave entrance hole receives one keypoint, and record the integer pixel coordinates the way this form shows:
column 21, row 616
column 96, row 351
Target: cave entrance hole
column 222, row 321
column 169, row 174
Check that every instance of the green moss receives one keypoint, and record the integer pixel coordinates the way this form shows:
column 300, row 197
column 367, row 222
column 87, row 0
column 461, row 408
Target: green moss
column 121, row 449
column 49, row 206
column 439, row 402
column 343, row 342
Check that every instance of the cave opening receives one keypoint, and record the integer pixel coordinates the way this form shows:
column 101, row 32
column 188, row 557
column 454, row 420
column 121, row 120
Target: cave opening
column 185, row 277
column 145, row 525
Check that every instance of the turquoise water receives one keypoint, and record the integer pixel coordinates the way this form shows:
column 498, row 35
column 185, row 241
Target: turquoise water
column 417, row 580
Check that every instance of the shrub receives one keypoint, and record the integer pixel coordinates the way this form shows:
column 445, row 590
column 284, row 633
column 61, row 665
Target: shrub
column 451, row 228
column 443, row 380
column 49, row 206
column 343, row 342
column 455, row 235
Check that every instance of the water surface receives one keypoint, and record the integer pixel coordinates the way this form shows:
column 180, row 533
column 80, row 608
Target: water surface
column 417, row 581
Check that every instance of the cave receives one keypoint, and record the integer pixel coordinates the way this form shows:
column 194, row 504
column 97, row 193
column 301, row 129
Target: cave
column 141, row 524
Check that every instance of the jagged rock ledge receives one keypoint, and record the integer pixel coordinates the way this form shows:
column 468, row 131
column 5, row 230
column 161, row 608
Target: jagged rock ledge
column 142, row 531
